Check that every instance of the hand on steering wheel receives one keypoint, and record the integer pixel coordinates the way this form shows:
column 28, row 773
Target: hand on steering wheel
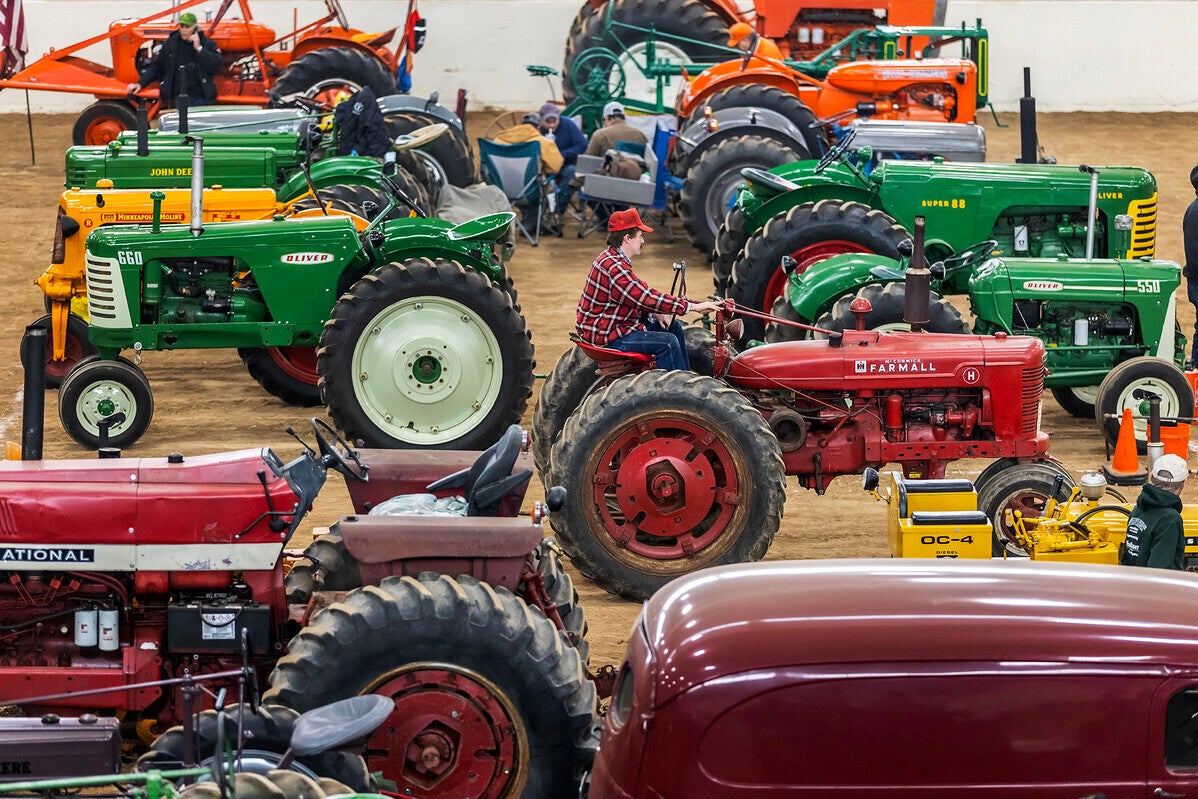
column 836, row 152
column 335, row 452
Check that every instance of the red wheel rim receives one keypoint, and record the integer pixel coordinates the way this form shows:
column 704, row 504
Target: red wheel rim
column 72, row 354
column 452, row 734
column 297, row 362
column 103, row 130
column 666, row 489
column 1029, row 502
column 806, row 256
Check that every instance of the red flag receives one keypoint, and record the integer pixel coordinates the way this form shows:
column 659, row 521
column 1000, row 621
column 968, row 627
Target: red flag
column 13, row 40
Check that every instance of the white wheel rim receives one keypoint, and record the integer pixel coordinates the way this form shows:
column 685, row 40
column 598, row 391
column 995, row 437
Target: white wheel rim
column 1087, row 394
column 100, row 400
column 639, row 87
column 427, row 371
column 1170, row 403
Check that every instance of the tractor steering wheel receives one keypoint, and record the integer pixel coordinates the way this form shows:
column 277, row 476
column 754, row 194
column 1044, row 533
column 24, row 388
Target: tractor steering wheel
column 970, row 256
column 335, row 452
column 836, row 152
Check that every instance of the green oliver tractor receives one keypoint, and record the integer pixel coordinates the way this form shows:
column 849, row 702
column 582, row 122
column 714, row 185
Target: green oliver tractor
column 426, row 346
column 812, row 210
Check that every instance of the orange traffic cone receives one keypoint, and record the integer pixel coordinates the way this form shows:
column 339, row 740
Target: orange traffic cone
column 1124, row 469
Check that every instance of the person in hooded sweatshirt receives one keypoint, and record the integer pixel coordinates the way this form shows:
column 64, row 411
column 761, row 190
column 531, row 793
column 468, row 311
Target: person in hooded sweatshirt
column 1154, row 533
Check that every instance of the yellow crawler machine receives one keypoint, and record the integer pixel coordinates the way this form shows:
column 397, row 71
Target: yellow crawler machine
column 940, row 519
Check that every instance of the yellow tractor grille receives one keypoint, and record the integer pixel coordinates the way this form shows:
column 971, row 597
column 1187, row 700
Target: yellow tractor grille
column 102, row 277
column 1032, row 388
column 1143, row 229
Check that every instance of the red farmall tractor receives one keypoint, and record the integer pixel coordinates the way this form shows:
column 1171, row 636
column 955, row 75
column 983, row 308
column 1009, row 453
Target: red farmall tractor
column 317, row 60
column 176, row 558
column 669, row 472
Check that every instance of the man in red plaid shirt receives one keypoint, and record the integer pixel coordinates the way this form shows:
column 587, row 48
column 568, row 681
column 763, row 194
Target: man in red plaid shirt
column 618, row 310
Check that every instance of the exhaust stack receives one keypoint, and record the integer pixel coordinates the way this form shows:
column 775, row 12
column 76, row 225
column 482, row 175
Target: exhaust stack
column 197, row 184
column 1028, row 138
column 918, row 286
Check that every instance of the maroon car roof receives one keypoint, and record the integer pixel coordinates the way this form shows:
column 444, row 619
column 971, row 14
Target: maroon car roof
column 733, row 619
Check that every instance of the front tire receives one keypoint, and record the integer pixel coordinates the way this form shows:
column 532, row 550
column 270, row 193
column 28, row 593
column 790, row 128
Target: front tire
column 666, row 473
column 97, row 389
column 809, row 233
column 448, row 156
column 103, row 122
column 712, row 178
column 425, row 354
column 489, row 701
column 1127, row 386
column 1077, row 401
column 77, row 348
column 1025, row 487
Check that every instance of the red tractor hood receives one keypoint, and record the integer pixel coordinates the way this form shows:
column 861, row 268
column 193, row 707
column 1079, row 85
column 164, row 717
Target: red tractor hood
column 866, row 360
column 198, row 514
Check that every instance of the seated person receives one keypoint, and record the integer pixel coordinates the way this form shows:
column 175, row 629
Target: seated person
column 619, row 311
column 571, row 143
column 529, row 130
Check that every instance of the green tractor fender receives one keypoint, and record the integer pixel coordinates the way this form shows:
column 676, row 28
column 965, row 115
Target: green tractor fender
column 813, row 293
column 470, row 243
column 809, row 193
column 331, row 172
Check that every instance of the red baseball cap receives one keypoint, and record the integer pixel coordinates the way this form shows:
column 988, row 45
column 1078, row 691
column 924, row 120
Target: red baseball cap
column 626, row 220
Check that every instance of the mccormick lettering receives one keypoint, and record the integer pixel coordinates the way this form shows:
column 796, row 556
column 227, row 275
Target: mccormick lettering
column 307, row 258
column 1043, row 285
column 47, row 555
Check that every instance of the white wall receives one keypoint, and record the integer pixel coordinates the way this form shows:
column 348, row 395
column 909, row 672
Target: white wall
column 1086, row 55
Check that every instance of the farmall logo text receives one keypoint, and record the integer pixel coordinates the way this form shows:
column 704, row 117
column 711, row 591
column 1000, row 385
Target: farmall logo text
column 307, row 258
column 893, row 366
column 46, row 555
column 900, row 74
column 1043, row 285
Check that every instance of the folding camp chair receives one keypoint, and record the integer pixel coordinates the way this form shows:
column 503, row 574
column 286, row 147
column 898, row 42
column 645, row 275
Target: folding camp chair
column 601, row 194
column 516, row 169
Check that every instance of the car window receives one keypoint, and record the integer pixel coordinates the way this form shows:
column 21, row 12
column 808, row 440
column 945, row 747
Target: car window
column 1181, row 729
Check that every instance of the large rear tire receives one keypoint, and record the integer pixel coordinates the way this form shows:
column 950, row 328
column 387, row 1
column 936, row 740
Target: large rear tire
column 572, row 380
column 1129, row 384
column 1023, row 487
column 712, row 178
column 756, row 95
column 448, row 156
column 775, row 332
column 330, row 553
column 268, row 736
column 887, row 312
column 809, row 233
column 690, row 19
column 425, row 354
column 729, row 241
column 322, row 74
column 665, row 473
column 288, row 373
column 489, row 701
column 102, row 122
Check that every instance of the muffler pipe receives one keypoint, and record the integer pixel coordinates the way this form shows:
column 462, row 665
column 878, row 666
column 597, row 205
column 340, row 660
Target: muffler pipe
column 1028, row 139
column 33, row 415
column 918, row 286
column 143, row 128
column 197, row 184
column 1092, row 211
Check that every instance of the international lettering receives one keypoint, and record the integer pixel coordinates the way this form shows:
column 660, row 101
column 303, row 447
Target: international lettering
column 47, row 555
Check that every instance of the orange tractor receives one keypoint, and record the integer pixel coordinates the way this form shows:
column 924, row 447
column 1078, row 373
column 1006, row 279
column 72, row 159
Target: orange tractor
column 800, row 28
column 317, row 60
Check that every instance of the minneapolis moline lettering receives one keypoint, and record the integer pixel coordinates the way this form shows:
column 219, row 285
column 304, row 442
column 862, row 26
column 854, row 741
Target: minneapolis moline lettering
column 46, row 555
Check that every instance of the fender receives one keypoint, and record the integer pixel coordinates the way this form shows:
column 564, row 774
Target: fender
column 812, row 293
column 398, row 103
column 698, row 136
column 468, row 243
column 332, row 171
column 729, row 73
column 329, row 39
column 816, row 187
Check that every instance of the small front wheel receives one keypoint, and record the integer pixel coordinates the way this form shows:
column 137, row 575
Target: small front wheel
column 97, row 389
column 1132, row 384
column 1023, row 487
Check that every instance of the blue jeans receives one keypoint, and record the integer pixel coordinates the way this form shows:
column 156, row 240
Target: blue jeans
column 564, row 190
column 1192, row 293
column 668, row 347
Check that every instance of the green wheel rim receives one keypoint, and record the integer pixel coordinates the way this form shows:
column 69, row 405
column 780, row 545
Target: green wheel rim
column 427, row 370
column 100, row 400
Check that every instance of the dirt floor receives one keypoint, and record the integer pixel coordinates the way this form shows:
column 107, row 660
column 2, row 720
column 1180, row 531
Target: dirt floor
column 206, row 402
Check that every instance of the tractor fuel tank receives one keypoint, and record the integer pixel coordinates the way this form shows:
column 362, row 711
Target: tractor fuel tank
column 53, row 748
column 878, row 360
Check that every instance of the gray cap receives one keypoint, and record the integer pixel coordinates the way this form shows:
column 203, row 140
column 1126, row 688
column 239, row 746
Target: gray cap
column 1170, row 469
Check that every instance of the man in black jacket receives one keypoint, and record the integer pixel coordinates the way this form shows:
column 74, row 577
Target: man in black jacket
column 185, row 64
column 1189, row 238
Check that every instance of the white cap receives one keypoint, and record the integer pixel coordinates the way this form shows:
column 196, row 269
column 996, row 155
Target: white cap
column 1170, row 469
column 613, row 108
